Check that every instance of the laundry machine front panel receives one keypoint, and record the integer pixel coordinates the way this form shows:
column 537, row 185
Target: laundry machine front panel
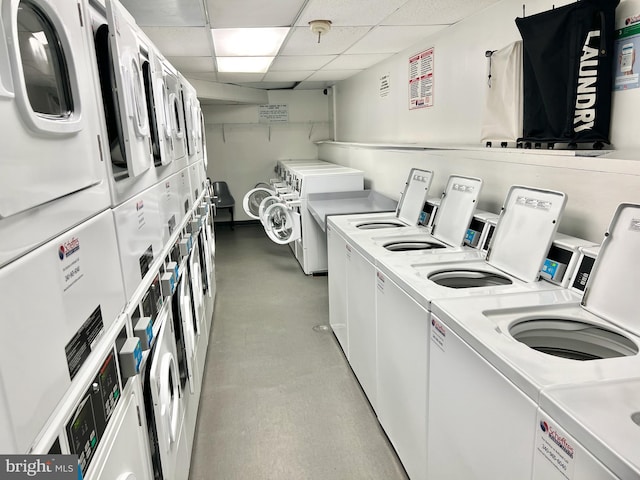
column 48, row 104
column 479, row 423
column 140, row 236
column 337, row 252
column 171, row 210
column 61, row 298
column 124, row 450
column 175, row 113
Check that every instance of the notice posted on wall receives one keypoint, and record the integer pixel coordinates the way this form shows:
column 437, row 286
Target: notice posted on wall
column 625, row 70
column 421, row 80
column 385, row 85
column 277, row 113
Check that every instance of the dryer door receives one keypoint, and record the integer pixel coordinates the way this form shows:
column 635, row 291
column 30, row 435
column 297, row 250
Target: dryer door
column 47, row 105
column 188, row 327
column 195, row 272
column 282, row 224
column 175, row 112
column 252, row 200
column 127, row 70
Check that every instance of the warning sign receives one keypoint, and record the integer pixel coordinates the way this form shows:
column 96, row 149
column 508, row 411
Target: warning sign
column 273, row 113
column 421, row 80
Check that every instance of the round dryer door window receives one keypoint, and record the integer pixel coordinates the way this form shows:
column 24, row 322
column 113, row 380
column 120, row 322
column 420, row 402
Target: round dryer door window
column 282, row 224
column 252, row 200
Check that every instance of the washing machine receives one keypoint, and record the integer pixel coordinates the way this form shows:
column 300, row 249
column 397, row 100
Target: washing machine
column 140, row 233
column 60, row 299
column 403, row 297
column 175, row 113
column 164, row 403
column 503, row 351
column 48, row 106
column 407, row 212
column 456, row 211
column 196, row 269
column 191, row 114
column 588, row 441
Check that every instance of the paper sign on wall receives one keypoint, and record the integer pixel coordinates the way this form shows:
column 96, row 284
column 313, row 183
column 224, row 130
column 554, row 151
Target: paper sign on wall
column 277, row 113
column 385, row 85
column 421, row 80
column 626, row 45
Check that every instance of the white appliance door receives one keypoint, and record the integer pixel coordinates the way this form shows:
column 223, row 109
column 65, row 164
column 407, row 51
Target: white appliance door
column 282, row 224
column 195, row 272
column 129, row 82
column 252, row 200
column 160, row 108
column 175, row 112
column 47, row 105
column 188, row 328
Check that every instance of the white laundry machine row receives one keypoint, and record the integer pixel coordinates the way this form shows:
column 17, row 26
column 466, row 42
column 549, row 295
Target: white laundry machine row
column 52, row 174
column 504, row 352
column 60, row 299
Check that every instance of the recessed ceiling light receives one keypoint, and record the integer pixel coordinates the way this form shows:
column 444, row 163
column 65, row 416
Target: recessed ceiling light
column 244, row 64
column 248, row 42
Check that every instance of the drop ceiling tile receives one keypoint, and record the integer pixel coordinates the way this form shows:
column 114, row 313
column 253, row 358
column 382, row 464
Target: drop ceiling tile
column 287, row 76
column 252, row 13
column 193, row 64
column 350, row 62
column 181, row 41
column 284, row 63
column 167, row 13
column 239, row 77
column 386, row 39
column 303, row 42
column 209, row 77
column 331, row 75
column 436, row 12
column 349, row 12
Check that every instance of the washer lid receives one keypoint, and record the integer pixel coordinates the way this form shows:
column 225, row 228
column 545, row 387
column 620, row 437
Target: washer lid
column 456, row 209
column 612, row 289
column 414, row 196
column 525, row 230
column 252, row 200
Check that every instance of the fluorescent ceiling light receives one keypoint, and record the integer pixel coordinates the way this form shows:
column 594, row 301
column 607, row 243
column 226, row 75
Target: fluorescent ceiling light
column 248, row 42
column 244, row 64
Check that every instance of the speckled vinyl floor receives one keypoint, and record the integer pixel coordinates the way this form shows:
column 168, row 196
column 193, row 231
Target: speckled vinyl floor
column 279, row 400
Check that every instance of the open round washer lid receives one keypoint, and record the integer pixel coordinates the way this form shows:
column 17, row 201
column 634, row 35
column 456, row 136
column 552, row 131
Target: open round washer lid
column 412, row 245
column 380, row 224
column 281, row 223
column 469, row 278
column 266, row 203
column 572, row 339
column 252, row 200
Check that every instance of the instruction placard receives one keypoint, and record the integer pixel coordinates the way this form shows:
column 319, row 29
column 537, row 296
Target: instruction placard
column 385, row 85
column 277, row 113
column 626, row 45
column 421, row 80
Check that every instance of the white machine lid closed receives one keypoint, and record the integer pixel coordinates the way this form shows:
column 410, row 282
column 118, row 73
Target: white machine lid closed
column 414, row 195
column 612, row 289
column 456, row 209
column 525, row 231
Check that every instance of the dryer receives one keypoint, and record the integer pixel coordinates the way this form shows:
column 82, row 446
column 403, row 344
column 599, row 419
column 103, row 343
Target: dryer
column 506, row 350
column 164, row 403
column 48, row 106
column 60, row 299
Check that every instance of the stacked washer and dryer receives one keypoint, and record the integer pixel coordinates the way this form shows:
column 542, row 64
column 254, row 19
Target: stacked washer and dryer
column 107, row 250
column 450, row 336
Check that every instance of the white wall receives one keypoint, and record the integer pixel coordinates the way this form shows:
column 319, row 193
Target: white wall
column 460, row 81
column 595, row 186
column 242, row 151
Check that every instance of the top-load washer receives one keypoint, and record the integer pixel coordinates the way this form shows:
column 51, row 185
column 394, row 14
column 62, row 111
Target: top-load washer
column 48, row 106
column 588, row 440
column 503, row 351
column 407, row 212
column 403, row 296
